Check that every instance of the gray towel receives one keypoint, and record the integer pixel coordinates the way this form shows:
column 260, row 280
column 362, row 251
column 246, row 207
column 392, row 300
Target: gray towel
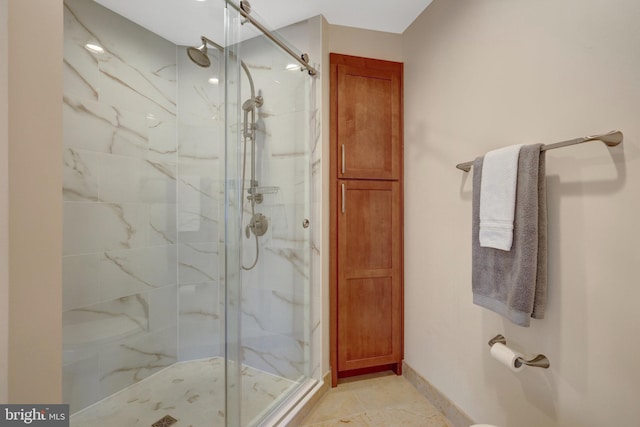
column 514, row 283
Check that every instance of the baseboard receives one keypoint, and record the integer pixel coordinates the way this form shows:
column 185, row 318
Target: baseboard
column 307, row 404
column 454, row 414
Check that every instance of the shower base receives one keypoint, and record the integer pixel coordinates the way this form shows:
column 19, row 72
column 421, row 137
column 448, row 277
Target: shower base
column 192, row 392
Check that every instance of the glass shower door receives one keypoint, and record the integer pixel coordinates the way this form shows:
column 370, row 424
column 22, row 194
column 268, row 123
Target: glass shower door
column 267, row 224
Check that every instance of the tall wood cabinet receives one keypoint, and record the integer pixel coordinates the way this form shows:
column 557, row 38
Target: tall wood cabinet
column 366, row 216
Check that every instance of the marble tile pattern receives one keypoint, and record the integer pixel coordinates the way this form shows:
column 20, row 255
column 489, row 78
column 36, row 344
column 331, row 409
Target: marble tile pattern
column 120, row 239
column 181, row 392
column 379, row 400
column 200, row 206
column 143, row 198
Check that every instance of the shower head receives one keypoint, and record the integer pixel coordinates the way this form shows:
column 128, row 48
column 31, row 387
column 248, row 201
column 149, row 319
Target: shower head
column 252, row 103
column 199, row 55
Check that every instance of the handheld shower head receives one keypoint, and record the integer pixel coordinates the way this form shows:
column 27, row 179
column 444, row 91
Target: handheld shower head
column 252, row 103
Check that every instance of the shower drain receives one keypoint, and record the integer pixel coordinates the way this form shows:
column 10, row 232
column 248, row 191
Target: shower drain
column 165, row 421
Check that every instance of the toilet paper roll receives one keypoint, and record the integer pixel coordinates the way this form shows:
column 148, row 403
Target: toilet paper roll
column 507, row 356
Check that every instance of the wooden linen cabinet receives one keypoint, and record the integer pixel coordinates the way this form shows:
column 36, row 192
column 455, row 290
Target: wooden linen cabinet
column 366, row 224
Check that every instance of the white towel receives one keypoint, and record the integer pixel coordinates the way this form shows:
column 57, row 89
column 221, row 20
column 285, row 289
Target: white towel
column 498, row 197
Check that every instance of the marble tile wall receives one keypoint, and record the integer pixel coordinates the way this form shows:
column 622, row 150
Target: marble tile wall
column 141, row 215
column 200, row 206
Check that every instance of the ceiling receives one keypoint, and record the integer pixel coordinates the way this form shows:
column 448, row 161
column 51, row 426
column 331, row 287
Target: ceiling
column 382, row 15
column 183, row 21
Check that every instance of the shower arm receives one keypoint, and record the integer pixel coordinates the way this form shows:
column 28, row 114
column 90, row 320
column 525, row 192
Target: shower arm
column 212, row 43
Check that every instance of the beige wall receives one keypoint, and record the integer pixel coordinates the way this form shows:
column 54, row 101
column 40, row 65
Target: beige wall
column 366, row 43
column 485, row 74
column 4, row 204
column 35, row 210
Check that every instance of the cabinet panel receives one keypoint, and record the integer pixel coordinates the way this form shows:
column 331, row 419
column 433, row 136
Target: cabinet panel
column 369, row 293
column 369, row 122
column 366, row 319
column 367, row 232
column 366, row 200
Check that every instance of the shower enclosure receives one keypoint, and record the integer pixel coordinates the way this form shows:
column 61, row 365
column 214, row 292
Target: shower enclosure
column 187, row 218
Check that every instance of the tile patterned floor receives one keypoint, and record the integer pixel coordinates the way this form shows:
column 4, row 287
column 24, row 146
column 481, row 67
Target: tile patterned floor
column 191, row 392
column 380, row 400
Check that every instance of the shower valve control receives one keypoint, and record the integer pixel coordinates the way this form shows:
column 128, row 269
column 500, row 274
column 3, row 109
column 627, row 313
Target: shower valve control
column 259, row 224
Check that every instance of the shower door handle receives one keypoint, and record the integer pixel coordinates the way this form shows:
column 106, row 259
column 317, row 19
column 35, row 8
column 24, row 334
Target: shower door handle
column 343, row 159
column 343, row 199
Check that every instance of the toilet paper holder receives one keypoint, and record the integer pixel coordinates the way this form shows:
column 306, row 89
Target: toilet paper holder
column 540, row 361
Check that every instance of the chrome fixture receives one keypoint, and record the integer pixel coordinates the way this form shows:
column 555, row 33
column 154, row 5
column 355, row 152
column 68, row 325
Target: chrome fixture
column 252, row 103
column 259, row 223
column 199, row 54
column 165, row 421
column 245, row 10
column 245, row 6
column 540, row 361
column 611, row 139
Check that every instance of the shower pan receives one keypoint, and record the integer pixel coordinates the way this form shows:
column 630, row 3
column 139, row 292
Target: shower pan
column 187, row 253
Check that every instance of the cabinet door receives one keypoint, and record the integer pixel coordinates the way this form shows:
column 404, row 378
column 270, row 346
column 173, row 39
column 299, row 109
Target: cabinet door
column 369, row 122
column 369, row 274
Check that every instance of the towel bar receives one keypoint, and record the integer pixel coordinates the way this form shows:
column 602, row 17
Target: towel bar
column 611, row 139
column 540, row 361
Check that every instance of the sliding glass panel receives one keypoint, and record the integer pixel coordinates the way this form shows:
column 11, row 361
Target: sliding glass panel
column 233, row 218
column 269, row 144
